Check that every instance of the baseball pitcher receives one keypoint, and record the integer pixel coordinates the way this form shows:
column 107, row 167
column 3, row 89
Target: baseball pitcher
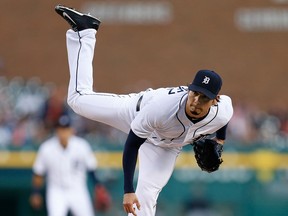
column 159, row 122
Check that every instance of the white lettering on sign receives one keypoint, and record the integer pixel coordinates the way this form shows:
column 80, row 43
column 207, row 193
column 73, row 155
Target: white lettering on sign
column 262, row 19
column 131, row 12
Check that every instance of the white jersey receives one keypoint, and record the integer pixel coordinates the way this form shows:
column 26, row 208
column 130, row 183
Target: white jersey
column 65, row 168
column 162, row 119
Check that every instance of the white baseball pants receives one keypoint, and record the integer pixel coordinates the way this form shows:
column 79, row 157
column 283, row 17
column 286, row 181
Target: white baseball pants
column 61, row 200
column 156, row 164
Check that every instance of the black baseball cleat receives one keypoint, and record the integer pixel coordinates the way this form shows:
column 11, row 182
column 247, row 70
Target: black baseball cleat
column 77, row 20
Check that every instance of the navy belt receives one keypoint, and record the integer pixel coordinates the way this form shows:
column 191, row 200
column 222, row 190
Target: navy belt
column 139, row 103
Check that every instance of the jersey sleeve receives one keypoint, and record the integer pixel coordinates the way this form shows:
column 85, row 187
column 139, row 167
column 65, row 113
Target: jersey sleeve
column 39, row 166
column 226, row 108
column 226, row 113
column 90, row 158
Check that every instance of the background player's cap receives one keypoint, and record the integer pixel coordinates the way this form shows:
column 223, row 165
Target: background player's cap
column 207, row 82
column 63, row 121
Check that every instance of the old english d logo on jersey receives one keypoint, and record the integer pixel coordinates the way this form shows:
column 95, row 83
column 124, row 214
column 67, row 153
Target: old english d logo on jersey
column 206, row 80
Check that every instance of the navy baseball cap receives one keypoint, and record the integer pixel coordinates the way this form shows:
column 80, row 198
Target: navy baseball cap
column 63, row 121
column 207, row 82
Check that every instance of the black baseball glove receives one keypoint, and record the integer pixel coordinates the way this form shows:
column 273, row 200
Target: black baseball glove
column 208, row 154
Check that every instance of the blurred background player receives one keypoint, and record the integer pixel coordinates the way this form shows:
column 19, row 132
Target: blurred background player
column 64, row 161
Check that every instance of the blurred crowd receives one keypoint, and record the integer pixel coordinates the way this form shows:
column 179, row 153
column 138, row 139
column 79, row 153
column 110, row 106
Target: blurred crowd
column 253, row 126
column 29, row 109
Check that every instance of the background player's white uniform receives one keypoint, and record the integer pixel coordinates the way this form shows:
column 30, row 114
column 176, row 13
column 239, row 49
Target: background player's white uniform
column 65, row 170
column 158, row 115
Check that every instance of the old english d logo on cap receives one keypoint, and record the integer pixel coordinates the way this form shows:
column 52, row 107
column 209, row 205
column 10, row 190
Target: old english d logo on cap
column 206, row 80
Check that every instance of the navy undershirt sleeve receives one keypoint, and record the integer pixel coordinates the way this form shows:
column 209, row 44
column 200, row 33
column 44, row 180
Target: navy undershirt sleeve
column 93, row 177
column 221, row 133
column 129, row 160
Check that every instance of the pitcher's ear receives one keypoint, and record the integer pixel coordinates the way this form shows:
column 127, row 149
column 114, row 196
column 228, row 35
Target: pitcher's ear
column 216, row 100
